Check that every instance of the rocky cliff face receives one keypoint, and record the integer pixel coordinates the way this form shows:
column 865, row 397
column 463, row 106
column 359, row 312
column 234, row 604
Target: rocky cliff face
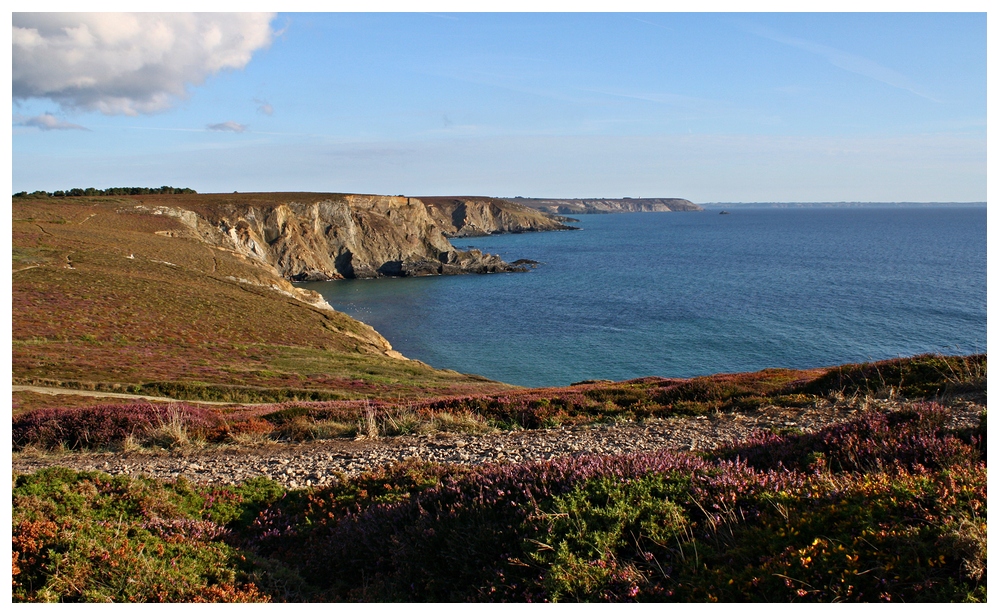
column 329, row 237
column 606, row 206
column 476, row 217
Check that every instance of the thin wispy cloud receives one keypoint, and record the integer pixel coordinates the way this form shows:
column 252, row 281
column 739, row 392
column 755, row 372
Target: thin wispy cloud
column 665, row 98
column 443, row 16
column 46, row 121
column 511, row 82
column 847, row 61
column 652, row 23
column 228, row 127
column 264, row 107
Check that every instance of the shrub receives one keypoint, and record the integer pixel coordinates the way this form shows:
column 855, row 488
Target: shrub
column 911, row 438
column 88, row 537
column 916, row 377
column 818, row 517
column 108, row 425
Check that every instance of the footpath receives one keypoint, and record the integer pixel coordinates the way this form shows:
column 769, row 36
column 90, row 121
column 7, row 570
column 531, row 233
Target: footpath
column 322, row 462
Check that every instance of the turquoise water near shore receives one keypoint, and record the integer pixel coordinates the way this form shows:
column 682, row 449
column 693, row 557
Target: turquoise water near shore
column 694, row 293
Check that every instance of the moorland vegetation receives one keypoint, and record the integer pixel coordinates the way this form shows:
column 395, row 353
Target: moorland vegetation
column 888, row 506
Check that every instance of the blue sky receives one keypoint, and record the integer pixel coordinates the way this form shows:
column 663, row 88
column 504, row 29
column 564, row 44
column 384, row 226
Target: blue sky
column 709, row 107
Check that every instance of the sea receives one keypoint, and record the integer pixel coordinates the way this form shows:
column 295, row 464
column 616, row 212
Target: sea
column 683, row 294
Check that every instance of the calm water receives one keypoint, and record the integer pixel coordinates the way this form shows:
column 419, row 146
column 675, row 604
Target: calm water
column 684, row 294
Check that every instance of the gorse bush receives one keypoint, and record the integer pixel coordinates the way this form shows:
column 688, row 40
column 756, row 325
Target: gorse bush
column 915, row 377
column 89, row 537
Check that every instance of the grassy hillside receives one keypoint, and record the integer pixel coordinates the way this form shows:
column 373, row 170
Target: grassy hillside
column 104, row 297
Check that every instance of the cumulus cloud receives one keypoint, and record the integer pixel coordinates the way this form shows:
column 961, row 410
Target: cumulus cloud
column 264, row 107
column 128, row 63
column 46, row 121
column 228, row 127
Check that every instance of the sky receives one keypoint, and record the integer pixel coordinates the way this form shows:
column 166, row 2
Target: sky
column 712, row 107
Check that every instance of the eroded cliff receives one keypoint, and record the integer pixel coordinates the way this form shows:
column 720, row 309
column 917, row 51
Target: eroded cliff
column 478, row 216
column 334, row 236
column 606, row 206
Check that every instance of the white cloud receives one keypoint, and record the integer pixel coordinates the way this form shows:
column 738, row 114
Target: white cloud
column 46, row 121
column 228, row 127
column 128, row 63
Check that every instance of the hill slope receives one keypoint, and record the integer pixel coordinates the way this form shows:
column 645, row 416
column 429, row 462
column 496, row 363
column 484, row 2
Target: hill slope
column 145, row 293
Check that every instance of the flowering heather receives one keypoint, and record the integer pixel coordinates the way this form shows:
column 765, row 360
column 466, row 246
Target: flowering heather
column 664, row 526
column 817, row 518
column 529, row 408
column 105, row 425
column 910, row 438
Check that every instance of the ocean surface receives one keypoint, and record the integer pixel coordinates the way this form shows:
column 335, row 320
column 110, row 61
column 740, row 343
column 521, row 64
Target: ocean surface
column 694, row 293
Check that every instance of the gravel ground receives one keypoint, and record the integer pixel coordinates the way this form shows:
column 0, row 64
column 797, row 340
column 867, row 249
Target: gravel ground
column 322, row 462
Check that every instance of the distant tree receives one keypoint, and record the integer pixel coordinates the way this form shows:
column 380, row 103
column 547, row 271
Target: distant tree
column 121, row 191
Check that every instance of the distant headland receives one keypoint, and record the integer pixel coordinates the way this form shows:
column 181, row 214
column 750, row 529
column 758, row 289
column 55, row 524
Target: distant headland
column 605, row 206
column 727, row 205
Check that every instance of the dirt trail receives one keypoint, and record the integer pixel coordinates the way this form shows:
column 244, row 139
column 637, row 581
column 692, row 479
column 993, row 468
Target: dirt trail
column 85, row 393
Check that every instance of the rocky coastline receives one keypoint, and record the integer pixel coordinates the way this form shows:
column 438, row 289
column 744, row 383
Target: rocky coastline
column 312, row 237
column 607, row 206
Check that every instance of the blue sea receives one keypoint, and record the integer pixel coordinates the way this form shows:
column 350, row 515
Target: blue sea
column 693, row 293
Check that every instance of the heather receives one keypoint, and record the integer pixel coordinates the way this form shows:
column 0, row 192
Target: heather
column 912, row 438
column 830, row 516
column 106, row 425
column 111, row 425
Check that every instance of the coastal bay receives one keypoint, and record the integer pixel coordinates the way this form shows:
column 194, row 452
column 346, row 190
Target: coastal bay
column 693, row 293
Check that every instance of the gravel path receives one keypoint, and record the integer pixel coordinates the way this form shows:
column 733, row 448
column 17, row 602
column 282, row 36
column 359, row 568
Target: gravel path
column 85, row 393
column 321, row 462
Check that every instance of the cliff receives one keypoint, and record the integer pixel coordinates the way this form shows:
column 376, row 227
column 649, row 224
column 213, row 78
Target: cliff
column 333, row 236
column 478, row 216
column 606, row 206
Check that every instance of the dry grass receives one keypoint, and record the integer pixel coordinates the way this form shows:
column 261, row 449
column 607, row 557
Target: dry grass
column 401, row 423
column 303, row 429
column 458, row 423
column 172, row 433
